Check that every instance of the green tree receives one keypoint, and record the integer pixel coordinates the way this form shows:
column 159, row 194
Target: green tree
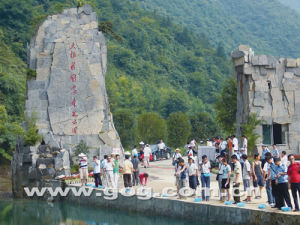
column 151, row 127
column 203, row 127
column 81, row 148
column 126, row 125
column 32, row 136
column 249, row 130
column 175, row 102
column 179, row 129
column 226, row 106
column 8, row 130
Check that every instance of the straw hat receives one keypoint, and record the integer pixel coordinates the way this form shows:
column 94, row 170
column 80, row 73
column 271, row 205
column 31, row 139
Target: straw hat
column 82, row 155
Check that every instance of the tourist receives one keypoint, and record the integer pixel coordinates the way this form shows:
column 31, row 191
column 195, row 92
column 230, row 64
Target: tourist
column 136, row 167
column 268, row 181
column 219, row 175
column 181, row 174
column 190, row 152
column 176, row 156
column 238, row 179
column 83, row 169
column 147, row 153
column 205, row 168
column 235, row 144
column 104, row 176
column 275, row 152
column 134, row 150
column 96, row 173
column 230, row 148
column 161, row 148
column 223, row 146
column 127, row 171
column 246, row 177
column 282, row 183
column 193, row 173
column 226, row 172
column 294, row 179
column 258, row 179
column 263, row 157
column 284, row 159
column 116, row 170
column 244, row 149
column 272, row 176
column 143, row 178
column 109, row 171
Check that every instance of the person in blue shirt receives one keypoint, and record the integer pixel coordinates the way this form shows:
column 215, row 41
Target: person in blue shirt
column 275, row 152
column 263, row 157
column 272, row 177
column 282, row 184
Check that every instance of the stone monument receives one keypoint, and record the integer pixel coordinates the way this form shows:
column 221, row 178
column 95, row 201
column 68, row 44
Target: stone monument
column 269, row 88
column 69, row 55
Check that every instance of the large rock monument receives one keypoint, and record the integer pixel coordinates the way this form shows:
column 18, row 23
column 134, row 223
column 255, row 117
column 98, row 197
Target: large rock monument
column 269, row 88
column 68, row 96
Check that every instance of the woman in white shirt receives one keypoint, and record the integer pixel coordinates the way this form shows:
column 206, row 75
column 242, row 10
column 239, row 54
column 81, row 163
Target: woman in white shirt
column 204, row 168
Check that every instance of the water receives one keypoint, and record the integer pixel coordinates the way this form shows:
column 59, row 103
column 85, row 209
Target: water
column 26, row 212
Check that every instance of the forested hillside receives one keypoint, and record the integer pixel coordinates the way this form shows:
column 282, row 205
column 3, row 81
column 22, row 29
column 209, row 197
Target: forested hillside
column 293, row 4
column 266, row 25
column 154, row 65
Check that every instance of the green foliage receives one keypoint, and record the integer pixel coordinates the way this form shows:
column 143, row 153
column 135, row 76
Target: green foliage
column 266, row 25
column 31, row 137
column 107, row 28
column 75, row 168
column 151, row 128
column 8, row 132
column 249, row 130
column 179, row 129
column 203, row 127
column 31, row 74
column 81, row 148
column 226, row 106
column 126, row 123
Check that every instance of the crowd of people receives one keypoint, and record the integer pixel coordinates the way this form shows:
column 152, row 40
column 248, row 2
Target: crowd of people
column 107, row 172
column 270, row 170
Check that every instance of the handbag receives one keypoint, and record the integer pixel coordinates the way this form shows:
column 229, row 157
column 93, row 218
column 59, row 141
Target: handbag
column 218, row 175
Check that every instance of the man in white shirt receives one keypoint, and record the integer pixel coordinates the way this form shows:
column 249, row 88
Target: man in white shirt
column 192, row 173
column 109, row 170
column 204, row 168
column 284, row 159
column 147, row 153
column 176, row 156
column 244, row 149
column 161, row 147
column 134, row 151
column 246, row 177
column 235, row 143
column 266, row 167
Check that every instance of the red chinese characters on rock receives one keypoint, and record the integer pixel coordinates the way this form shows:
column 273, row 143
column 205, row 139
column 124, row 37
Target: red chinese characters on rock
column 73, row 79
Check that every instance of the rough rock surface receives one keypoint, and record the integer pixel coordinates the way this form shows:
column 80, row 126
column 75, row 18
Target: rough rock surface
column 68, row 95
column 271, row 89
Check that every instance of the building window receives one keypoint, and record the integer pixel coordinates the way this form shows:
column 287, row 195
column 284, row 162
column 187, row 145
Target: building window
column 275, row 134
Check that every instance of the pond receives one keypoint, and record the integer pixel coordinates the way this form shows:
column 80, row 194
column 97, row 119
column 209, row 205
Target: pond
column 31, row 212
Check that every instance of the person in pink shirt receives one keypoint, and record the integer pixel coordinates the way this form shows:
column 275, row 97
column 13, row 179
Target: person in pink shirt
column 143, row 176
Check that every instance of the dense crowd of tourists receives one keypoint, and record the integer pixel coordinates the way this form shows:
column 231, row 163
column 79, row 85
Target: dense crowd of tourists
column 271, row 170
